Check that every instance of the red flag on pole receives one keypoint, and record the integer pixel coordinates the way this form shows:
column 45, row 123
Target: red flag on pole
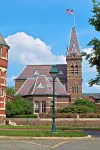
column 70, row 11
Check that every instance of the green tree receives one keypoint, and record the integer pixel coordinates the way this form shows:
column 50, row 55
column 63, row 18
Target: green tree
column 19, row 107
column 94, row 57
column 84, row 102
column 80, row 106
column 10, row 91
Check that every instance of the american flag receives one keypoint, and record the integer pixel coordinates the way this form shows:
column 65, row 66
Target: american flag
column 70, row 11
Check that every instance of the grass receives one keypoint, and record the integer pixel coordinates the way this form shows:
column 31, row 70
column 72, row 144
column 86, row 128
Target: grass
column 61, row 128
column 24, row 127
column 41, row 133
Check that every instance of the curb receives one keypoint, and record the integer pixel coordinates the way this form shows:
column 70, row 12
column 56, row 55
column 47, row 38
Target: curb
column 43, row 138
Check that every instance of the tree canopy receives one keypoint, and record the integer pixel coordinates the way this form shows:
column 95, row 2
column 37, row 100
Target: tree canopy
column 19, row 106
column 10, row 91
column 94, row 57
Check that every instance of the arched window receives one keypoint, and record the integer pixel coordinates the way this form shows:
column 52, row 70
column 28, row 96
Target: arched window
column 72, row 69
column 76, row 70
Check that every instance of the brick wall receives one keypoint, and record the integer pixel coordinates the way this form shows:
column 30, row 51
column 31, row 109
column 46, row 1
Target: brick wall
column 18, row 84
column 74, row 80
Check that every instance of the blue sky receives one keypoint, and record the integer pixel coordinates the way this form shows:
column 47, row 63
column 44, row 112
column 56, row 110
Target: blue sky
column 40, row 28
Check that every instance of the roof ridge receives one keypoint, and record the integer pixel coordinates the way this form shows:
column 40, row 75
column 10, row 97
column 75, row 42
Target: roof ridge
column 45, row 64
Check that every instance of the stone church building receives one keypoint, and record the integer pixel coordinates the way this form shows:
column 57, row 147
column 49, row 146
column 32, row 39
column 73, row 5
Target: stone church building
column 35, row 82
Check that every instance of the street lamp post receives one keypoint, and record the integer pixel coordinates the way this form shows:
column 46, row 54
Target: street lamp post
column 27, row 112
column 54, row 71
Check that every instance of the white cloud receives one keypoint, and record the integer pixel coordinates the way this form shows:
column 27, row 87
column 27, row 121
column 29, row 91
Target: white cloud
column 27, row 50
column 10, row 80
column 94, row 87
column 85, row 65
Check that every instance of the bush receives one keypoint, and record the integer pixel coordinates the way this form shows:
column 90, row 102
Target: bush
column 79, row 106
column 89, row 115
column 71, row 115
column 77, row 109
column 58, row 115
column 25, row 116
column 85, row 102
column 18, row 106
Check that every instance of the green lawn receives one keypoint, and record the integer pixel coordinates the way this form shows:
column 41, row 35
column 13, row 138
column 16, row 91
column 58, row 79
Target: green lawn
column 61, row 128
column 28, row 133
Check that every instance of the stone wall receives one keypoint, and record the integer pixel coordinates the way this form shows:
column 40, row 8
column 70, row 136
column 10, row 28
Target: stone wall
column 68, row 122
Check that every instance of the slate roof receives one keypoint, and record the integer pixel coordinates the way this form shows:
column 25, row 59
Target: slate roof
column 2, row 41
column 31, row 71
column 73, row 47
column 95, row 95
column 41, row 85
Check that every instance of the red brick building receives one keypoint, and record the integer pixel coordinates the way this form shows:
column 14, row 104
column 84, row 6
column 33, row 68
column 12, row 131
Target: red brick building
column 35, row 82
column 3, row 69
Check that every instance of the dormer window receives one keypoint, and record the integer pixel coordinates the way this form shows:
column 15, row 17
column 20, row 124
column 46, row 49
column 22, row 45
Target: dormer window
column 40, row 86
column 0, row 52
column 36, row 72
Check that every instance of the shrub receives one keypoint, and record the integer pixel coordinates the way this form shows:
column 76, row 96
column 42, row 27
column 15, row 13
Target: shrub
column 71, row 115
column 18, row 107
column 77, row 109
column 84, row 102
column 89, row 115
column 25, row 116
column 58, row 115
column 79, row 106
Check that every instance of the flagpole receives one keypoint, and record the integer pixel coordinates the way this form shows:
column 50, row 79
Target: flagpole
column 74, row 18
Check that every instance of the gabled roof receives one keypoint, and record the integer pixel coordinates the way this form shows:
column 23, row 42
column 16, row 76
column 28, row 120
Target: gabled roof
column 26, row 87
column 31, row 71
column 2, row 42
column 73, row 47
column 31, row 87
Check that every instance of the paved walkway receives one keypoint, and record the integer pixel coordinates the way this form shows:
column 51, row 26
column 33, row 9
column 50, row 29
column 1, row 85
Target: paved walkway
column 86, row 144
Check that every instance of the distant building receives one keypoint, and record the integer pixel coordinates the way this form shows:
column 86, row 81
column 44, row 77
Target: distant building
column 95, row 97
column 3, row 69
column 35, row 82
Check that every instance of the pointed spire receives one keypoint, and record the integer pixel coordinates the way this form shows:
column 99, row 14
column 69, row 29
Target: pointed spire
column 3, row 42
column 73, row 47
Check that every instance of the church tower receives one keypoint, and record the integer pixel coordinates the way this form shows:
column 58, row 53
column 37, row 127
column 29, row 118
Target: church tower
column 74, row 67
column 3, row 69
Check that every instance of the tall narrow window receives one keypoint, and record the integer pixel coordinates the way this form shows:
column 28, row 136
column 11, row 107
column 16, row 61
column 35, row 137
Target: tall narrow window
column 1, row 92
column 0, row 73
column 0, row 52
column 36, row 107
column 77, row 89
column 43, row 107
column 76, row 70
column 72, row 69
column 72, row 89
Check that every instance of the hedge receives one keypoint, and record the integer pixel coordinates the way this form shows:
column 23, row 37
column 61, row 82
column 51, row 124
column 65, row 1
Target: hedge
column 76, row 109
column 25, row 116
column 71, row 115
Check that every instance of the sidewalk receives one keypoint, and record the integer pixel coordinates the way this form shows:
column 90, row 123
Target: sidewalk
column 42, row 138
